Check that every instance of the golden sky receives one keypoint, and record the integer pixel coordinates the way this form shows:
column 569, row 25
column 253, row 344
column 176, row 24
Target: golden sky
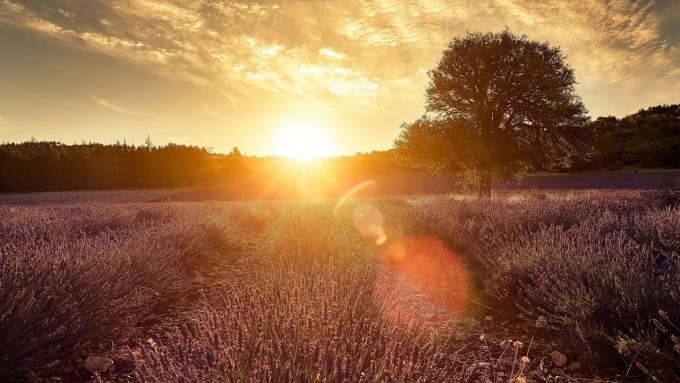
column 229, row 73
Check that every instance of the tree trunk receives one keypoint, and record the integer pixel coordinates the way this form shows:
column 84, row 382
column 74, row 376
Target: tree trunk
column 485, row 179
column 485, row 170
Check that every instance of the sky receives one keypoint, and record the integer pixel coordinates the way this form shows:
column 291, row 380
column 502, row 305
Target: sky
column 226, row 74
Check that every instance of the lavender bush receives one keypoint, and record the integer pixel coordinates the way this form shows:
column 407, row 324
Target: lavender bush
column 292, row 291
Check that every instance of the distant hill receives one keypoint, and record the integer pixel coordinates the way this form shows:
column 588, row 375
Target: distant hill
column 649, row 138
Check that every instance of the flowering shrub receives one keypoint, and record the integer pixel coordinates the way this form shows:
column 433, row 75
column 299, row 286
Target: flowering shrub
column 293, row 291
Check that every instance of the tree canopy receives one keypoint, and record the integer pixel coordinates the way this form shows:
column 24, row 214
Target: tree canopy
column 498, row 105
column 649, row 138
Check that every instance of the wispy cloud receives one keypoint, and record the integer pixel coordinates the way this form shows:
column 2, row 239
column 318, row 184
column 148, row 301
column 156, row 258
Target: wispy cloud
column 110, row 105
column 4, row 125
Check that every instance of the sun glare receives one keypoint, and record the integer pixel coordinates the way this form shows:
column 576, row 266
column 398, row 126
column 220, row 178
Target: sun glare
column 302, row 140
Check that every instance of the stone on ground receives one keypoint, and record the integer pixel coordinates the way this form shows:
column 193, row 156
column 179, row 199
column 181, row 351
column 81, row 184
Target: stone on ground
column 98, row 364
column 558, row 358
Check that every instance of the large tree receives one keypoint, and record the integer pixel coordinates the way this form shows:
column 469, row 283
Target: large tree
column 498, row 105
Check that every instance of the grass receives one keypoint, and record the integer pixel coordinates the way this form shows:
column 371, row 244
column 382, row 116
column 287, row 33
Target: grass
column 304, row 291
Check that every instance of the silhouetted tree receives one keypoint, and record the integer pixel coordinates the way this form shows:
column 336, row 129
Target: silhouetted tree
column 147, row 143
column 497, row 105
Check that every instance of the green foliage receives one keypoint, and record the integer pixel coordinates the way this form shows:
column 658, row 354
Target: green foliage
column 649, row 138
column 500, row 105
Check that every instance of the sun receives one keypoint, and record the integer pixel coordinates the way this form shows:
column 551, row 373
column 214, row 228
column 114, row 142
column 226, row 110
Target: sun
column 302, row 140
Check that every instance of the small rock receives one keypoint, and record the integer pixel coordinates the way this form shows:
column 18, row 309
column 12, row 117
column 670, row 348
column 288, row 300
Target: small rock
column 198, row 279
column 488, row 318
column 98, row 364
column 575, row 365
column 558, row 358
column 461, row 336
column 505, row 343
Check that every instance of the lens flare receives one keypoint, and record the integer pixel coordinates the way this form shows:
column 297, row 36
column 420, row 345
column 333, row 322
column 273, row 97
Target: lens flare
column 423, row 282
column 369, row 221
column 364, row 188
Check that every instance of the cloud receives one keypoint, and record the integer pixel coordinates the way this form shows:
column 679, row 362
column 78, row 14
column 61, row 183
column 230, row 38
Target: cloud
column 4, row 125
column 276, row 46
column 110, row 105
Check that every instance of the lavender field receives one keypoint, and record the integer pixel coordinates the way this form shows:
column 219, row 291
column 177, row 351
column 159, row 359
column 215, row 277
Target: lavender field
column 527, row 286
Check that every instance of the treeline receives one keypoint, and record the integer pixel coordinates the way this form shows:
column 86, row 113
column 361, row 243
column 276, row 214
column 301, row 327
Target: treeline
column 52, row 166
column 649, row 138
column 43, row 166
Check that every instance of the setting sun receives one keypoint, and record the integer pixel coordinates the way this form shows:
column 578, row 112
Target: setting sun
column 339, row 191
column 302, row 140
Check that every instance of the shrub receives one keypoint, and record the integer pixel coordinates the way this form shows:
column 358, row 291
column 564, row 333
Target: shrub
column 63, row 283
column 293, row 291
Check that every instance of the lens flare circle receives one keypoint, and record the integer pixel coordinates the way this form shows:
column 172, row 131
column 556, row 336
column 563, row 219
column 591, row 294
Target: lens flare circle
column 423, row 281
column 369, row 221
column 367, row 187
